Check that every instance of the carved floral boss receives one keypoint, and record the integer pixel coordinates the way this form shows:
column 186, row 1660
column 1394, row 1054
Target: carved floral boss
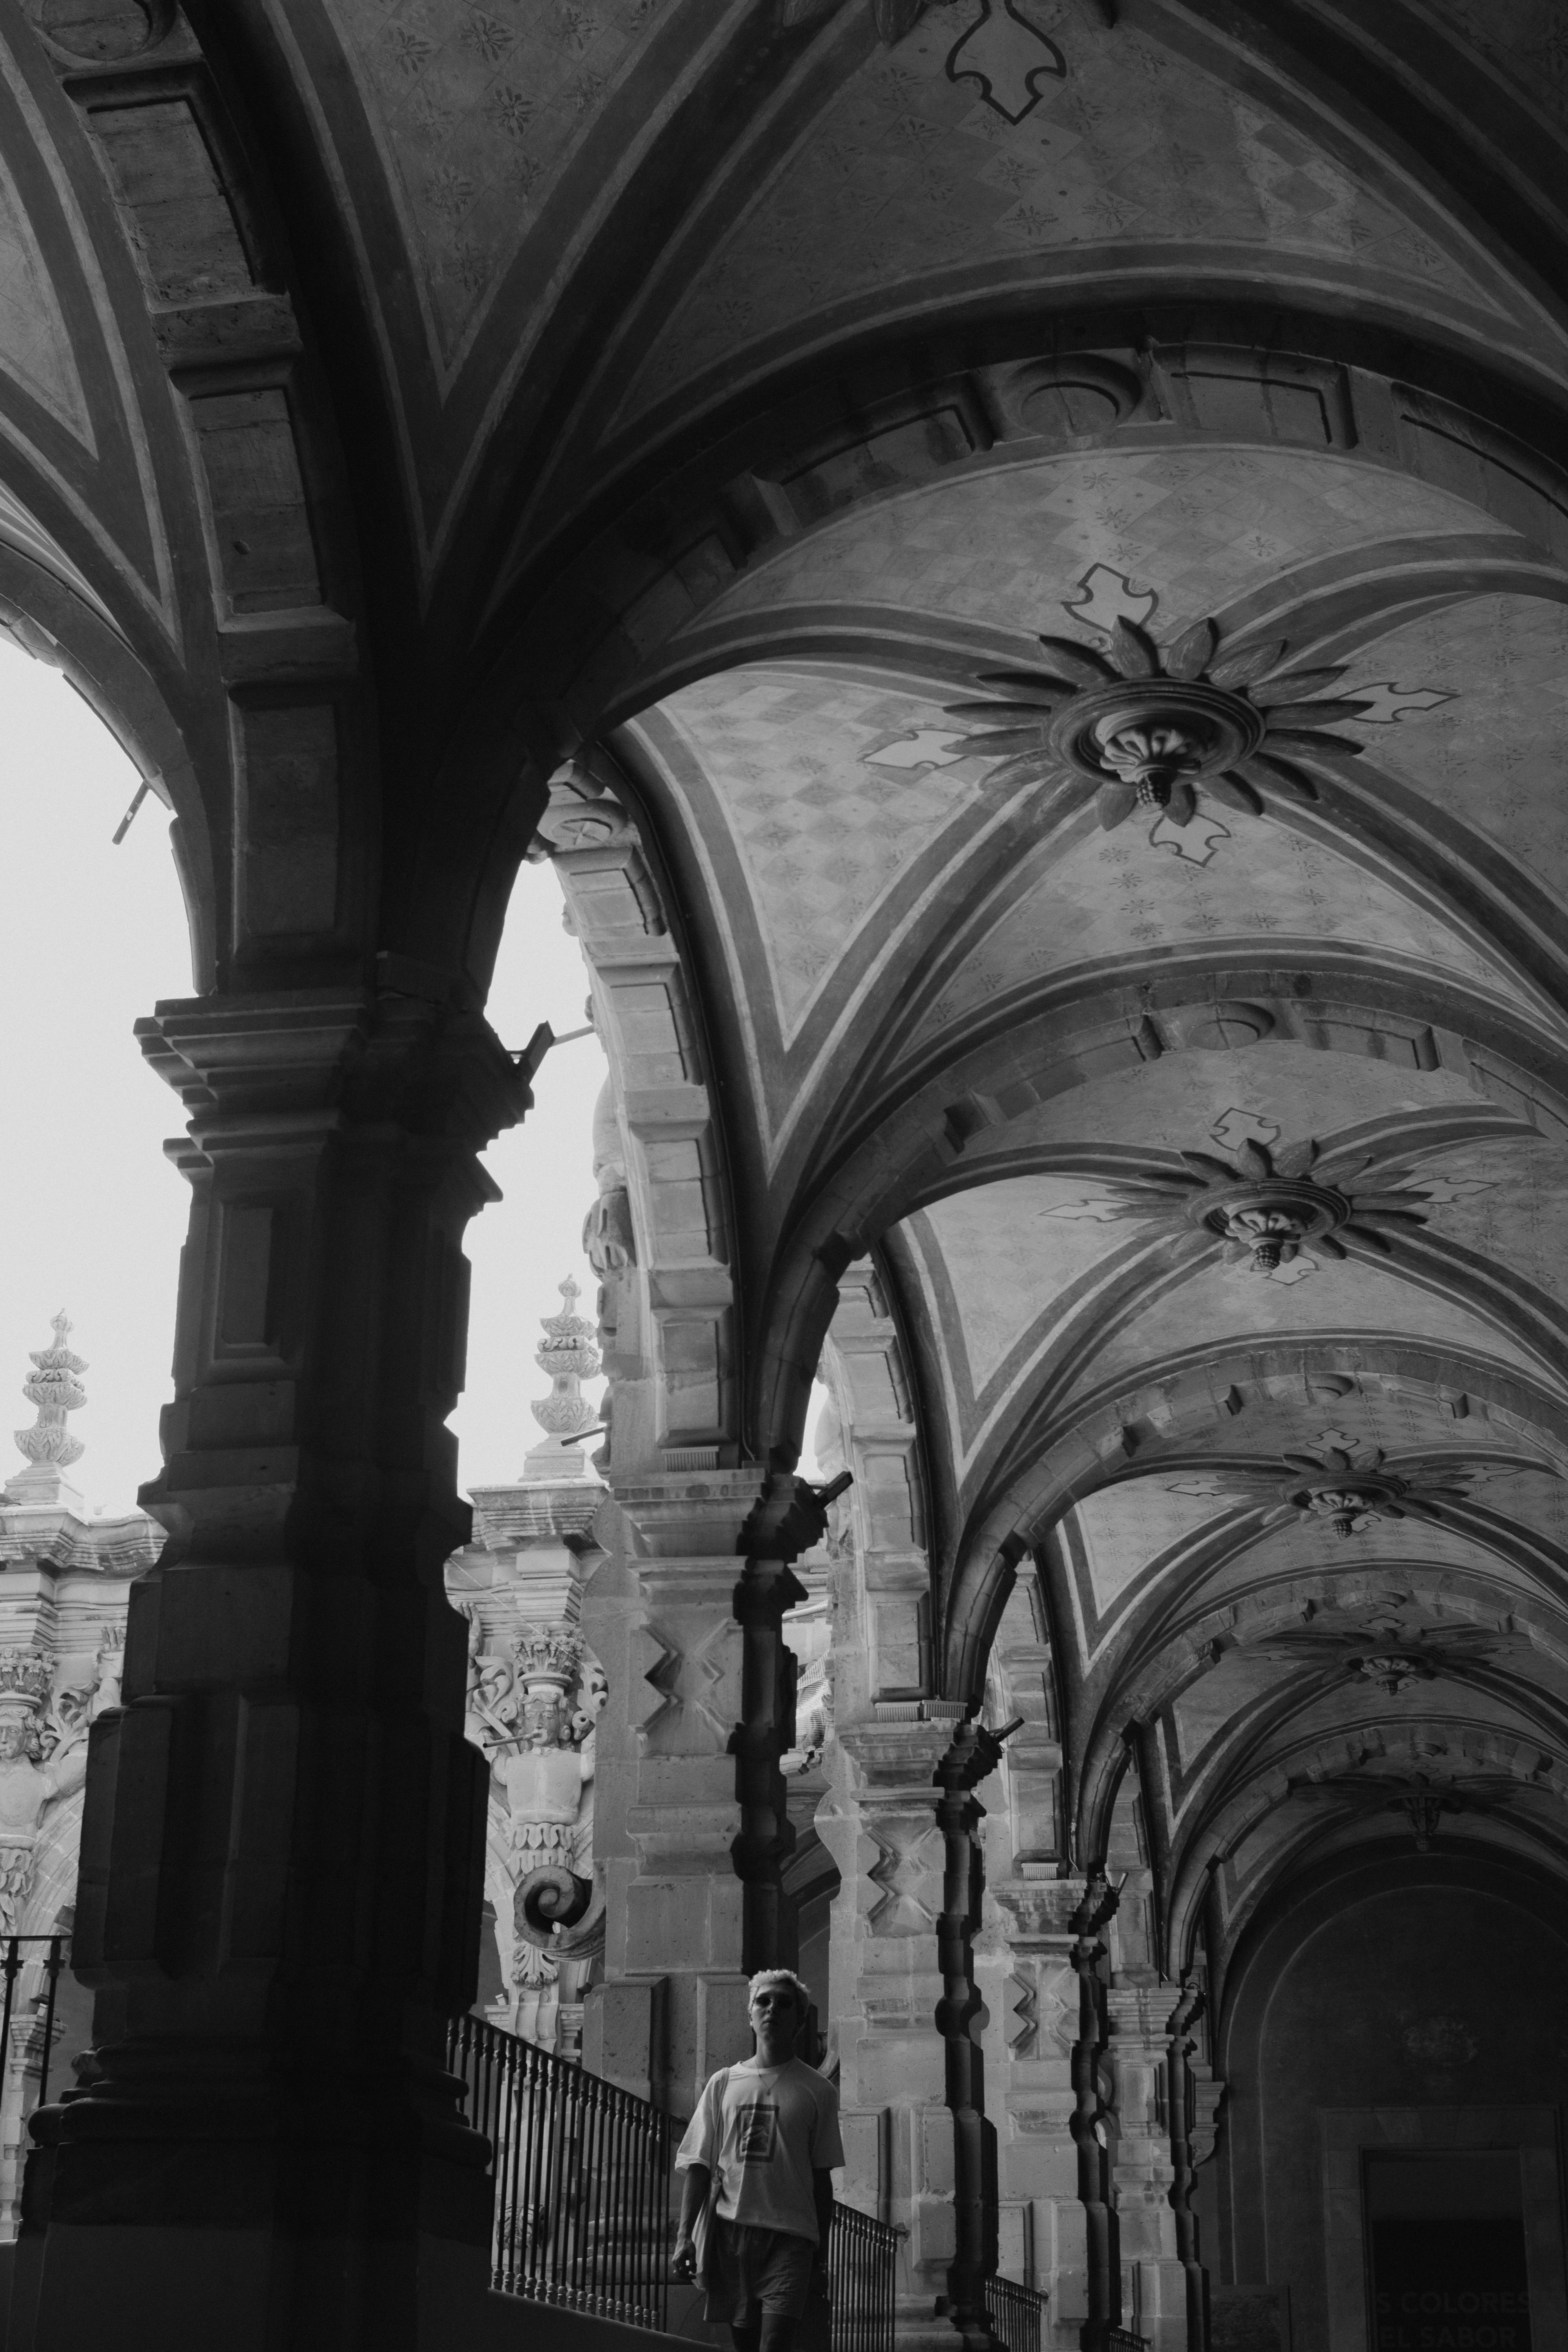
column 1268, row 1206
column 1150, row 727
column 1350, row 1490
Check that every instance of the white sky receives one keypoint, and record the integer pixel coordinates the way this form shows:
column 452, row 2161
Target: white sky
column 93, row 1215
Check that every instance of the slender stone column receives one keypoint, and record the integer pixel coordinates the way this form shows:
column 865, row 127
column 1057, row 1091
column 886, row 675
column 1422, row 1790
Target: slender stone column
column 283, row 1845
column 1088, row 2121
column 974, row 1754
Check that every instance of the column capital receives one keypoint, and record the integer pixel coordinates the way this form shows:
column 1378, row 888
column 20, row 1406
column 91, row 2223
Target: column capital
column 897, row 1758
column 682, row 1515
column 241, row 1060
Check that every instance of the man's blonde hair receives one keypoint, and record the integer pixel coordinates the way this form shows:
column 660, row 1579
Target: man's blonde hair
column 781, row 1976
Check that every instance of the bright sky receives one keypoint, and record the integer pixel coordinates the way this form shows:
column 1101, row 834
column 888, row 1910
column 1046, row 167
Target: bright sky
column 93, row 1213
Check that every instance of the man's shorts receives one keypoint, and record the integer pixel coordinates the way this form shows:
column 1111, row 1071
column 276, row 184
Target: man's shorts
column 750, row 2271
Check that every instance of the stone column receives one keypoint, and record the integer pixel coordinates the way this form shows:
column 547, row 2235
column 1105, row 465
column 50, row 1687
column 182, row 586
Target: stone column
column 283, row 1843
column 1180, row 2107
column 1146, row 2022
column 1088, row 2132
column 1038, row 2004
column 693, row 1902
column 880, row 1822
column 961, row 2015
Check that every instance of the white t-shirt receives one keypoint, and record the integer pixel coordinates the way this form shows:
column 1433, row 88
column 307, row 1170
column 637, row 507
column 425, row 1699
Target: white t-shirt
column 762, row 2131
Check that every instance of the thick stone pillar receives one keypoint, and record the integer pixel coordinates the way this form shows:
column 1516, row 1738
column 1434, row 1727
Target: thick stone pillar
column 1037, row 2021
column 283, row 1845
column 1145, row 2024
column 1179, row 2096
column 880, row 1822
column 695, row 1906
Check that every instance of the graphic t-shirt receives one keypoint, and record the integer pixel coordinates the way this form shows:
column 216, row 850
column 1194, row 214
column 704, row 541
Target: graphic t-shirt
column 762, row 2131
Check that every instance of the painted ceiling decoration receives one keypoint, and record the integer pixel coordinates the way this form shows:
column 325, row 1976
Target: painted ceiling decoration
column 1269, row 1206
column 1150, row 726
column 1347, row 1491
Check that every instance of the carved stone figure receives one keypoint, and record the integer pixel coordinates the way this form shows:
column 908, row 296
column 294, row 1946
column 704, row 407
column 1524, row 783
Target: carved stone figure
column 544, row 1776
column 28, row 1783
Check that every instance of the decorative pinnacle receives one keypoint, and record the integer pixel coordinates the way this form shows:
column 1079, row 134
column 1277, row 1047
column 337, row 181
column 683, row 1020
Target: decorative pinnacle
column 567, row 1353
column 55, row 1390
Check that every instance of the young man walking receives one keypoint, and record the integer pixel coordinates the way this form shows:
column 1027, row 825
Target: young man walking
column 758, row 2158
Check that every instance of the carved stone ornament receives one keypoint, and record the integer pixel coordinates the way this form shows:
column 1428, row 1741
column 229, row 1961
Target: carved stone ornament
column 548, row 1654
column 1421, row 1800
column 1393, row 1657
column 1347, row 1491
column 56, row 1389
column 568, row 1354
column 1267, row 1206
column 1150, row 726
column 24, row 1679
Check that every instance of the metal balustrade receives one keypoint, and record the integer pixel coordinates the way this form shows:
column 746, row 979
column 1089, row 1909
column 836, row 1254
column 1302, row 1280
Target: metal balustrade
column 862, row 2273
column 26, row 2026
column 581, row 2172
column 1016, row 2313
column 583, row 2215
column 1122, row 2339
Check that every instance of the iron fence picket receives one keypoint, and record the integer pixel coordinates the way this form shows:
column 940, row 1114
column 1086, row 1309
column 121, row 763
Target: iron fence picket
column 580, row 2170
column 1016, row 2313
column 862, row 2271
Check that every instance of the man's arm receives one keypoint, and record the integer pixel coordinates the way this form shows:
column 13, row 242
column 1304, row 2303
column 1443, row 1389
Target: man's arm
column 693, row 2197
column 822, row 2190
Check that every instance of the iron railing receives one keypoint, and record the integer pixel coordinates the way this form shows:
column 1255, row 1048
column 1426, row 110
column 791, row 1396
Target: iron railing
column 12, row 1965
column 1016, row 2313
column 862, row 2272
column 1122, row 2339
column 582, row 2178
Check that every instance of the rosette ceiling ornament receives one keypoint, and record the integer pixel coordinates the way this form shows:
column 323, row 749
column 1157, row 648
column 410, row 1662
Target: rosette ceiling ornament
column 1348, row 1491
column 1423, row 1801
column 1266, row 1206
column 1393, row 1657
column 1152, row 727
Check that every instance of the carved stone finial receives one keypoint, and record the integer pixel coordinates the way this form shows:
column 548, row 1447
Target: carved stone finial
column 48, row 1446
column 568, row 1354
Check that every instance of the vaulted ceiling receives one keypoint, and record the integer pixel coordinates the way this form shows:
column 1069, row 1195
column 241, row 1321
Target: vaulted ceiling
column 723, row 388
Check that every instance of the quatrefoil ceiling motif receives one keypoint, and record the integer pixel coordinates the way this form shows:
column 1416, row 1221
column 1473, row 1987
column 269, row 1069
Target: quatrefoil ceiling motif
column 1150, row 727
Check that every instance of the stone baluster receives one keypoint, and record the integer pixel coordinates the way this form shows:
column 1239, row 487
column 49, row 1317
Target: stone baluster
column 284, row 1832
